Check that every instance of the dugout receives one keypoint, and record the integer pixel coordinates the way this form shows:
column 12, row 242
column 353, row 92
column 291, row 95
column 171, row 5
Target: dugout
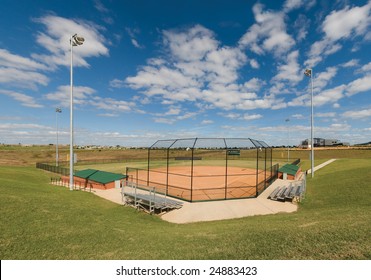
column 97, row 179
column 289, row 172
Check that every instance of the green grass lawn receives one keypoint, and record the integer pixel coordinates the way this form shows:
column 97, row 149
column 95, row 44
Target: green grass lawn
column 41, row 221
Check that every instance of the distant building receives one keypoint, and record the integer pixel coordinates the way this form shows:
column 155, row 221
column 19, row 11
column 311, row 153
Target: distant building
column 322, row 142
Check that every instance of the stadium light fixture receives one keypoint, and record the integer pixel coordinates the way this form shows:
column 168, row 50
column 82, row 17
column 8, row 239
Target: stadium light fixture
column 309, row 73
column 74, row 41
column 57, row 110
column 77, row 40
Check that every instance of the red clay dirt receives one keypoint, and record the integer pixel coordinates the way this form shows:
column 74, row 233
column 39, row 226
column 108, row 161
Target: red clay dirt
column 207, row 183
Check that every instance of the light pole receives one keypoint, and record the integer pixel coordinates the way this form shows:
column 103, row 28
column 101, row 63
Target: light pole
column 288, row 140
column 309, row 73
column 74, row 41
column 57, row 110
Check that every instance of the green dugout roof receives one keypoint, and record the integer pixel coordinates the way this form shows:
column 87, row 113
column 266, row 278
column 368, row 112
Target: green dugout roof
column 102, row 177
column 290, row 169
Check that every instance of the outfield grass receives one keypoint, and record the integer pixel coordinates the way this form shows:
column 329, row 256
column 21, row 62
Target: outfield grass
column 41, row 221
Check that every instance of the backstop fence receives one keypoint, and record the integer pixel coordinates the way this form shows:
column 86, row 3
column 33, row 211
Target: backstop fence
column 200, row 169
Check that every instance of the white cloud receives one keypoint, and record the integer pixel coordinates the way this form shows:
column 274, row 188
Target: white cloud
column 231, row 115
column 256, row 104
column 337, row 127
column 322, row 79
column 297, row 128
column 133, row 32
column 10, row 60
column 366, row 67
column 20, row 71
column 298, row 116
column 24, row 99
column 351, row 63
column 145, row 100
column 279, row 104
column 195, row 68
column 112, row 105
column 292, row 4
column 301, row 25
column 291, row 72
column 248, row 117
column 173, row 115
column 56, row 40
column 301, row 100
column 86, row 96
column 359, row 114
column 254, row 64
column 324, row 97
column 192, row 45
column 268, row 33
column 81, row 95
column 172, row 111
column 329, row 96
column 325, row 115
column 222, row 64
column 319, row 50
column 108, row 115
column 359, row 85
column 160, row 80
column 164, row 120
column 187, row 116
column 116, row 83
column 207, row 122
column 254, row 84
column 22, row 78
column 341, row 24
column 278, row 88
column 23, row 126
column 136, row 44
column 25, row 133
column 332, row 95
column 100, row 7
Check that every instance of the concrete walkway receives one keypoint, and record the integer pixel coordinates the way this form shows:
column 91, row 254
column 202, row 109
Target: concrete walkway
column 231, row 209
column 321, row 165
column 113, row 195
column 218, row 210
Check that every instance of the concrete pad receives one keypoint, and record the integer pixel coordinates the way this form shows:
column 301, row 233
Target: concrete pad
column 113, row 195
column 218, row 210
column 231, row 209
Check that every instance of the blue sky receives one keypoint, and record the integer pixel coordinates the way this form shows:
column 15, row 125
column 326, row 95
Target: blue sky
column 152, row 70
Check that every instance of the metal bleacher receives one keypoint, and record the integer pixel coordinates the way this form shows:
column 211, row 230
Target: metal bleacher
column 294, row 192
column 146, row 198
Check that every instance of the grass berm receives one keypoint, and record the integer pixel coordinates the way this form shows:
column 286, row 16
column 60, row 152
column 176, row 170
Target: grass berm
column 42, row 221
